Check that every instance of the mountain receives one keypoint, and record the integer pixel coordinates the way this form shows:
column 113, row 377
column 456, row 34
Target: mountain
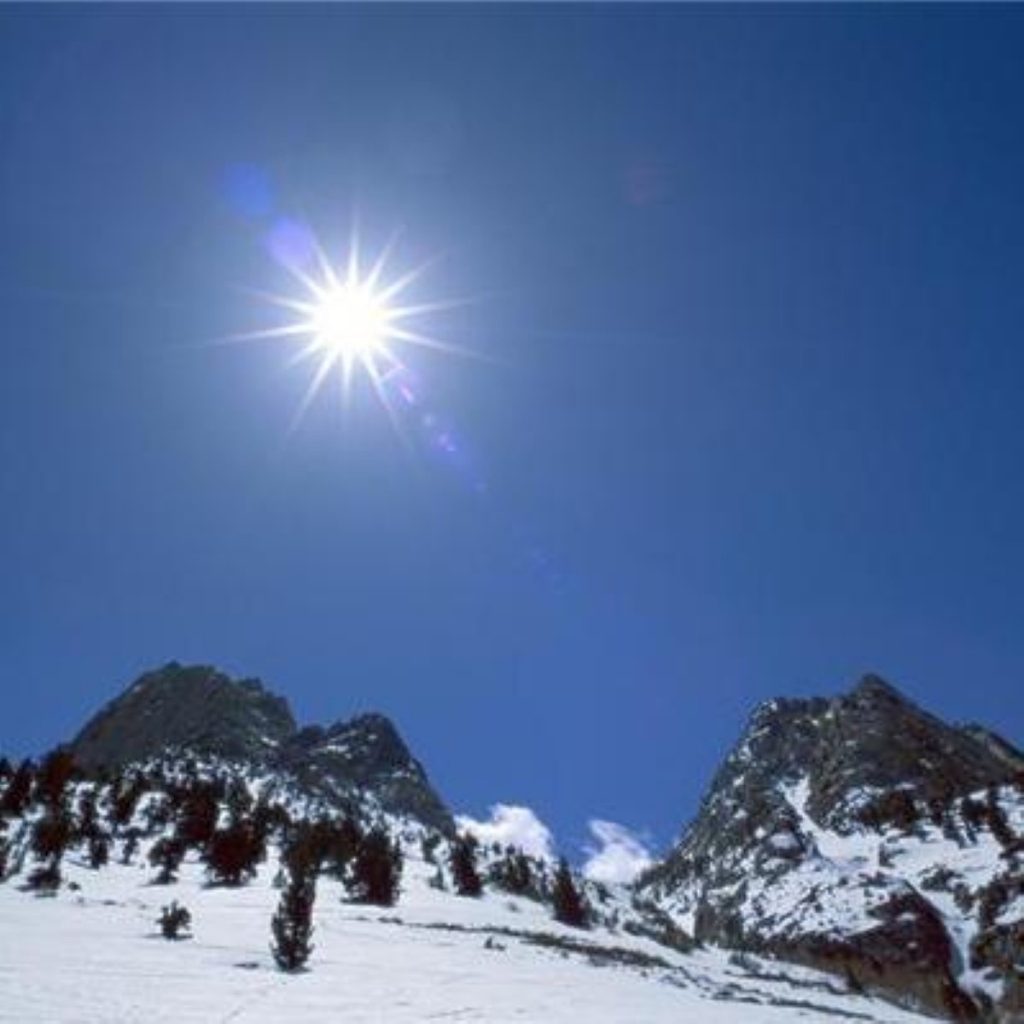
column 365, row 755
column 864, row 836
column 185, row 707
column 855, row 856
column 199, row 710
column 200, row 794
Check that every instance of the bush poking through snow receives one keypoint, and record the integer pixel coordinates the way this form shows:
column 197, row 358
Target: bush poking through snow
column 166, row 855
column 175, row 922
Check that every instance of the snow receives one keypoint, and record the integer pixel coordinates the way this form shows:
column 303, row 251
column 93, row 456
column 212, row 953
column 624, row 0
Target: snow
column 93, row 956
column 912, row 858
column 833, row 887
column 1013, row 911
column 784, row 842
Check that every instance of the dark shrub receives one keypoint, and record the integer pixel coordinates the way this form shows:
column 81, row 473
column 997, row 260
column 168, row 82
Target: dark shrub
column 175, row 921
column 292, row 925
column 465, row 876
column 566, row 900
column 376, row 871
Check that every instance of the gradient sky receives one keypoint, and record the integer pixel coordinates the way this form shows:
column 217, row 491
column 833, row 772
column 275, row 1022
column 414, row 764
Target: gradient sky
column 748, row 285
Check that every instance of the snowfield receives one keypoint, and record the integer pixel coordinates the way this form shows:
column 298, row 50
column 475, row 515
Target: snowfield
column 93, row 955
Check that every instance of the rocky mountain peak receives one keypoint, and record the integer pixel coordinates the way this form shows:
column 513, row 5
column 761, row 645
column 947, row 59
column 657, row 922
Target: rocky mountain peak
column 198, row 709
column 798, row 843
column 857, row 746
column 185, row 706
column 367, row 753
column 872, row 687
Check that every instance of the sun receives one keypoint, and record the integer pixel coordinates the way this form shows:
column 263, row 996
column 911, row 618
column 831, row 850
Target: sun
column 351, row 322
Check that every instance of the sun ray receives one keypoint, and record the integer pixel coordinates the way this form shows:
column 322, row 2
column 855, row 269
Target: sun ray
column 312, row 390
column 307, row 351
column 378, row 266
column 377, row 381
column 401, row 312
column 400, row 284
column 426, row 341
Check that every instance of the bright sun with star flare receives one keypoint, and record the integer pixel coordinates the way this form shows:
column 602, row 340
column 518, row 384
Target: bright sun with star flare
column 350, row 322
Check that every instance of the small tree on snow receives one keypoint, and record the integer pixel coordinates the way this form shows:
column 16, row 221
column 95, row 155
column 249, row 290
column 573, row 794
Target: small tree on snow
column 56, row 771
column 99, row 851
column 377, row 870
column 514, row 874
column 174, row 921
column 465, row 876
column 166, row 855
column 233, row 853
column 131, row 844
column 292, row 925
column 18, row 792
column 568, row 904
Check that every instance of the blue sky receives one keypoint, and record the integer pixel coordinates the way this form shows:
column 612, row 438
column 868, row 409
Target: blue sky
column 747, row 285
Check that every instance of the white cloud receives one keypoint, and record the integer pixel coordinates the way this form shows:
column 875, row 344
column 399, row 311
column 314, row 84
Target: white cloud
column 511, row 825
column 619, row 856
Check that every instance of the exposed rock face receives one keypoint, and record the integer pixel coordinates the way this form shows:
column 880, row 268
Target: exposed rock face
column 194, row 707
column 367, row 753
column 202, row 711
column 997, row 746
column 866, row 836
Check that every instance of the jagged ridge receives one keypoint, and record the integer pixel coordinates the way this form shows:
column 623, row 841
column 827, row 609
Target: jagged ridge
column 199, row 709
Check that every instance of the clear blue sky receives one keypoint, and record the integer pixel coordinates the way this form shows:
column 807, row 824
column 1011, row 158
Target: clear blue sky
column 749, row 284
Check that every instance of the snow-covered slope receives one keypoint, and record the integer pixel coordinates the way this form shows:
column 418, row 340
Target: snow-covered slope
column 854, row 857
column 93, row 955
